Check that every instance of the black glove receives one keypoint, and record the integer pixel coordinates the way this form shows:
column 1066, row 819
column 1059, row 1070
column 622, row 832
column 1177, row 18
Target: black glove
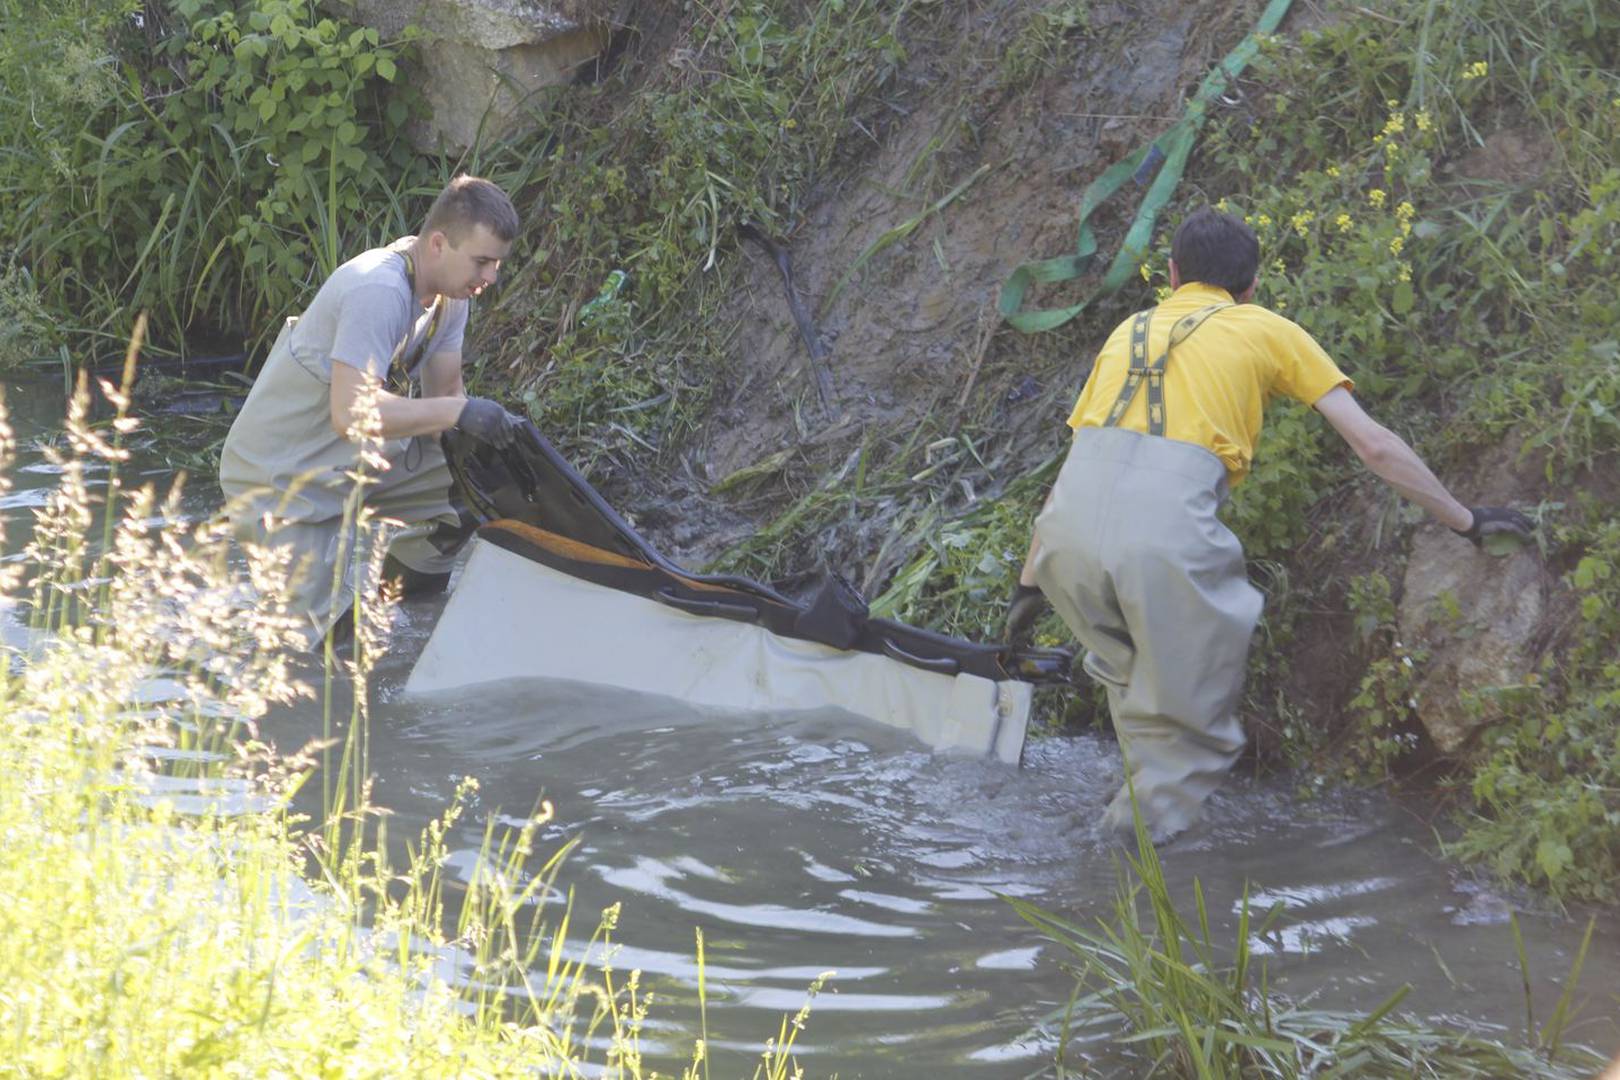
column 487, row 422
column 1497, row 521
column 1025, row 607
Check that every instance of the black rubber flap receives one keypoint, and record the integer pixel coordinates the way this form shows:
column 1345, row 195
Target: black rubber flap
column 835, row 614
column 531, row 484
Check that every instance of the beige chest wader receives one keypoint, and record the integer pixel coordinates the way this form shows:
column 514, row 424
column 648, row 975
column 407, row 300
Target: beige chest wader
column 289, row 463
column 1153, row 585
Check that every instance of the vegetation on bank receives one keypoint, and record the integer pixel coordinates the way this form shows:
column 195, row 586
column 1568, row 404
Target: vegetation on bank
column 206, row 161
column 1438, row 200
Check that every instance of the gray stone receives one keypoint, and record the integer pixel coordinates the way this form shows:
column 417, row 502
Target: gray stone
column 1476, row 618
column 485, row 60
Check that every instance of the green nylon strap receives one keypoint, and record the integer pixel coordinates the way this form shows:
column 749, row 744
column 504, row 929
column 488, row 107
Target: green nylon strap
column 1168, row 154
column 1140, row 369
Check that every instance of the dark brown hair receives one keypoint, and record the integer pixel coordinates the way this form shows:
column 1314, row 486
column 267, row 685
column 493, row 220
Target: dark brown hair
column 467, row 201
column 1217, row 249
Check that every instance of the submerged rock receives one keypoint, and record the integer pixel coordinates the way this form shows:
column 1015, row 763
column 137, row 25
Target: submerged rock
column 484, row 60
column 1476, row 617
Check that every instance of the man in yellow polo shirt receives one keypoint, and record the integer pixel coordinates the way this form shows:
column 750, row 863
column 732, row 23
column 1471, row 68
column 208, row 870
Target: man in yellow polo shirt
column 1129, row 550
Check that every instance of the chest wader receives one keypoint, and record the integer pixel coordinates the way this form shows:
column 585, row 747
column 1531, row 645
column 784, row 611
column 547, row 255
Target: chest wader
column 282, row 458
column 1153, row 585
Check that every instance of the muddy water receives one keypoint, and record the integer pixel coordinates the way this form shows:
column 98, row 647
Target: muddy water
column 824, row 844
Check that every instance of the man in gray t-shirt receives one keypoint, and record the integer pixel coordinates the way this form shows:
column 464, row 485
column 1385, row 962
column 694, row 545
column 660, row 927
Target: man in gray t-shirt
column 391, row 319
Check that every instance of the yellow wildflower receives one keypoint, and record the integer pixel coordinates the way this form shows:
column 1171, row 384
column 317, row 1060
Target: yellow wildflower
column 1403, row 271
column 1396, row 244
column 1404, row 213
column 1333, row 171
column 1477, row 70
column 1395, row 124
column 1424, row 121
column 1343, row 222
column 1376, row 196
column 1279, row 267
column 1263, row 220
column 1147, row 275
column 1301, row 222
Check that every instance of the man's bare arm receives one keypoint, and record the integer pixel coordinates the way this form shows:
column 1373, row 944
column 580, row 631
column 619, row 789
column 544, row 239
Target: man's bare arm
column 1389, row 457
column 401, row 416
column 441, row 375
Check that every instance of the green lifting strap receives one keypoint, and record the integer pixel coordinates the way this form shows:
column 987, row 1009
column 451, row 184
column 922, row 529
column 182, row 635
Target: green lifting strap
column 1154, row 373
column 1168, row 154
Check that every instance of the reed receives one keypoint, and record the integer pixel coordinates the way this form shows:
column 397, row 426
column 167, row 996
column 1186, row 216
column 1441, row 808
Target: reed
column 1176, row 1002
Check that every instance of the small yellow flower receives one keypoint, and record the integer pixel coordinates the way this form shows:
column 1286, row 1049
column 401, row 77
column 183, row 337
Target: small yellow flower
column 1343, row 222
column 1395, row 124
column 1333, row 171
column 1424, row 121
column 1147, row 275
column 1396, row 244
column 1301, row 222
column 1279, row 267
column 1392, row 103
column 1406, row 211
column 790, row 123
column 1376, row 196
column 1403, row 272
column 1162, row 293
column 1223, row 206
column 1263, row 220
column 1477, row 70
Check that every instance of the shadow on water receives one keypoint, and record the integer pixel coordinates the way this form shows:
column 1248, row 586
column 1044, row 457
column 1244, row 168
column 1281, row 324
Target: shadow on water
column 819, row 843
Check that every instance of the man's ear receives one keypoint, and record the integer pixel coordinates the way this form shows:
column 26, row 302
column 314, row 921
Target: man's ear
column 1248, row 294
column 1175, row 276
column 437, row 241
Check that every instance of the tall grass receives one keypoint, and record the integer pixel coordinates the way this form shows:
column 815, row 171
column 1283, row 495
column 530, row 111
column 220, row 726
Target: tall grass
column 166, row 910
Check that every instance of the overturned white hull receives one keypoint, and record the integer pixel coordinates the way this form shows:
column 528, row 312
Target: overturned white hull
column 512, row 617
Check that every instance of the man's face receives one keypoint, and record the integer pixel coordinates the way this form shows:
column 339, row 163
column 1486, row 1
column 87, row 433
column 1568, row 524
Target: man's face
column 468, row 267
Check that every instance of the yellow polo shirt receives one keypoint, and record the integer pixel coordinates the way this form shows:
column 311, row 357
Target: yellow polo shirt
column 1218, row 380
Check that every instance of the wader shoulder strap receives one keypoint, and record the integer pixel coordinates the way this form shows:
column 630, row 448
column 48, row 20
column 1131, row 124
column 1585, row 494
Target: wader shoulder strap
column 1153, row 373
column 404, row 365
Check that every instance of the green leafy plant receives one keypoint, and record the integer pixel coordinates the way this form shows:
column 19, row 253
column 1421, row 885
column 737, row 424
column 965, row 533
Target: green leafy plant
column 208, row 160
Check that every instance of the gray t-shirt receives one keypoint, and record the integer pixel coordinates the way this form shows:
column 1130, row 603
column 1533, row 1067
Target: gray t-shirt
column 365, row 315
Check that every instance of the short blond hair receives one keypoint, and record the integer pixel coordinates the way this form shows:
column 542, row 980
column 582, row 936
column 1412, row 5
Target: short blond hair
column 468, row 201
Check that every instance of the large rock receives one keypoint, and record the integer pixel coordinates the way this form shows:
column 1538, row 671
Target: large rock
column 1476, row 617
column 484, row 60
